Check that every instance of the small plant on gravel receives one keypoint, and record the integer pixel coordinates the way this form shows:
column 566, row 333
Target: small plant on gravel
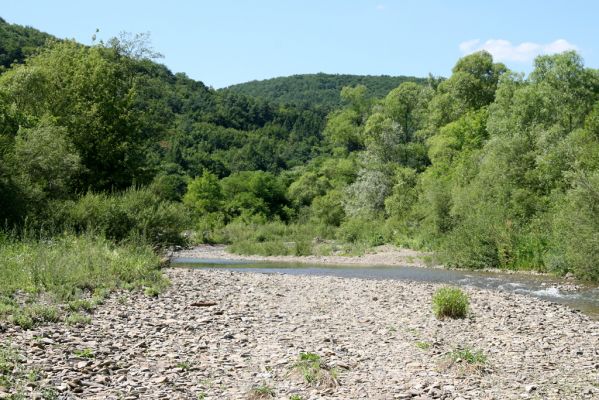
column 22, row 320
column 152, row 291
column 261, row 392
column 84, row 353
column 77, row 319
column 467, row 360
column 450, row 302
column 314, row 371
column 423, row 345
column 81, row 304
column 468, row 356
column 43, row 313
column 296, row 397
column 184, row 365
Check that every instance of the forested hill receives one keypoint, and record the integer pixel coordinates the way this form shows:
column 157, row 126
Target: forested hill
column 17, row 42
column 319, row 89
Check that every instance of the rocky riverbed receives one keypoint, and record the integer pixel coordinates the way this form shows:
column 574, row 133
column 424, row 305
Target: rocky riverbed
column 220, row 334
column 380, row 255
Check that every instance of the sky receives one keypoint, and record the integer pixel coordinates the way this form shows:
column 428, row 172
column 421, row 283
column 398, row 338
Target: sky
column 223, row 42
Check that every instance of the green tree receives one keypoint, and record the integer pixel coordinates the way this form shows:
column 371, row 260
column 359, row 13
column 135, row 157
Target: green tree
column 204, row 194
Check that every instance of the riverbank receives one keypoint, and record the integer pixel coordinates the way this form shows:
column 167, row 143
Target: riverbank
column 381, row 255
column 218, row 335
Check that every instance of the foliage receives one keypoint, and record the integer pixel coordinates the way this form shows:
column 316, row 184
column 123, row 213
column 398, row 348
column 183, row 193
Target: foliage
column 132, row 215
column 450, row 302
column 320, row 90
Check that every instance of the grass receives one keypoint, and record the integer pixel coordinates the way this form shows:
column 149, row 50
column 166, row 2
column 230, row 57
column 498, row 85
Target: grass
column 423, row 345
column 296, row 397
column 450, row 302
column 84, row 353
column 40, row 277
column 184, row 365
column 261, row 392
column 16, row 379
column 467, row 359
column 277, row 238
column 468, row 356
column 314, row 371
column 78, row 319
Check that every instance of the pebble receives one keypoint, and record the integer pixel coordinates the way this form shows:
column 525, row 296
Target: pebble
column 163, row 348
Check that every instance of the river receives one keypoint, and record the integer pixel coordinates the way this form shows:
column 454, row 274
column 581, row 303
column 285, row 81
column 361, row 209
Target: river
column 584, row 299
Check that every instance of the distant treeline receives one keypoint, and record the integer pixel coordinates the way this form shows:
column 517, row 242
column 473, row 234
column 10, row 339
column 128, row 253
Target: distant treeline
column 319, row 90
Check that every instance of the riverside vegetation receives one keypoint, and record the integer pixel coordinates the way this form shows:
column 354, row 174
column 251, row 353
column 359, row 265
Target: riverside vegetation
column 487, row 168
column 106, row 153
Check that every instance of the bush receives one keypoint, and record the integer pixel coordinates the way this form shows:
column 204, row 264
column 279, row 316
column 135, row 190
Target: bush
column 450, row 302
column 132, row 215
column 366, row 230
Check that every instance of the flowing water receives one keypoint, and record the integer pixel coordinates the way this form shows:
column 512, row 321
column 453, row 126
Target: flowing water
column 585, row 298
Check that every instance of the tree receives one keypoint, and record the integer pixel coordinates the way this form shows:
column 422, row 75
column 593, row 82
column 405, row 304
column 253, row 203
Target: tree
column 204, row 194
column 46, row 161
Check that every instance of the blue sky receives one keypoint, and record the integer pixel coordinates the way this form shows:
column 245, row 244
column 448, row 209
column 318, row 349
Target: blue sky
column 222, row 42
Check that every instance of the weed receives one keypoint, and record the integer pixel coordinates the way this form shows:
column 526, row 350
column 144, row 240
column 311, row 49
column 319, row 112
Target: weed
column 296, row 397
column 152, row 291
column 77, row 319
column 261, row 392
column 423, row 345
column 466, row 360
column 314, row 371
column 42, row 313
column 81, row 304
column 184, row 365
column 468, row 356
column 22, row 320
column 84, row 353
column 450, row 302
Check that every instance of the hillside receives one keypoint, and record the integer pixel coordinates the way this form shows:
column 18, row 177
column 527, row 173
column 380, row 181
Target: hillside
column 17, row 42
column 319, row 89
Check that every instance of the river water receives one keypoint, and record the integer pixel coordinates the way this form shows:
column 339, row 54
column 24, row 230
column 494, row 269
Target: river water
column 585, row 299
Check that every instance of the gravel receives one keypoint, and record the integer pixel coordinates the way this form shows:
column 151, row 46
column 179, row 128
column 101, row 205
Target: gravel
column 218, row 334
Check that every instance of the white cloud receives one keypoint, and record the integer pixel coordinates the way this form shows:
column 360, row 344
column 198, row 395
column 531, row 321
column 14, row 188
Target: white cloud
column 504, row 50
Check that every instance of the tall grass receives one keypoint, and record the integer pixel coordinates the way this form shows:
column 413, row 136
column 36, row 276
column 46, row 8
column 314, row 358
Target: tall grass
column 66, row 268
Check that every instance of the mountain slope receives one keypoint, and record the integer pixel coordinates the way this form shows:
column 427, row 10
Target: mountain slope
column 17, row 42
column 318, row 89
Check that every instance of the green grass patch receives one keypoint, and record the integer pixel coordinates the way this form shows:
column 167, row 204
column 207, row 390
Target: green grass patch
column 261, row 392
column 315, row 371
column 450, row 302
column 84, row 353
column 69, row 272
column 78, row 319
column 423, row 345
column 467, row 360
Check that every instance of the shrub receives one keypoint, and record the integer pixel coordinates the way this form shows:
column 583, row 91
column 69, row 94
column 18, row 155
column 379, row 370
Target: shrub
column 132, row 215
column 450, row 302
